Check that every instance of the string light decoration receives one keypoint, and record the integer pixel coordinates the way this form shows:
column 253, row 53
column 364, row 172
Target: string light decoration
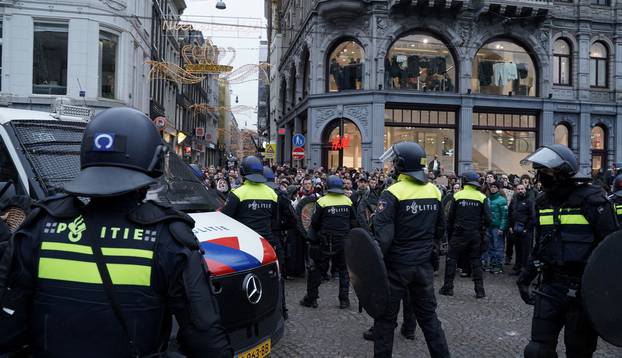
column 204, row 107
column 247, row 73
column 170, row 71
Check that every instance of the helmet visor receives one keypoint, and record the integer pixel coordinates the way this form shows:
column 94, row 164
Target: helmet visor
column 544, row 157
column 388, row 156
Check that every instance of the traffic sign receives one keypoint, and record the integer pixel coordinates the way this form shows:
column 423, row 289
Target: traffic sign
column 160, row 122
column 270, row 151
column 298, row 153
column 298, row 140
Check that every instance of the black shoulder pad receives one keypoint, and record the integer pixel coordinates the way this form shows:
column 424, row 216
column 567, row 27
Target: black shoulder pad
column 592, row 194
column 541, row 198
column 182, row 232
column 61, row 206
column 150, row 213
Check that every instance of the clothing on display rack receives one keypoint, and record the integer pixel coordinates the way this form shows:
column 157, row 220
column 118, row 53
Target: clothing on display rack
column 504, row 72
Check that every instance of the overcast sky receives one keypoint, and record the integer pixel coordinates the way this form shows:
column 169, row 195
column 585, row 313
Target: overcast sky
column 244, row 39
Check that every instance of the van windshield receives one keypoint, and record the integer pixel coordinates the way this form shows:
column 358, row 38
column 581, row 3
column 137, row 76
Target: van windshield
column 52, row 150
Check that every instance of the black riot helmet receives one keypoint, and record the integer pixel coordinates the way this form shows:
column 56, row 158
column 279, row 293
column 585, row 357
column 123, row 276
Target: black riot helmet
column 555, row 160
column 470, row 177
column 408, row 158
column 252, row 169
column 335, row 185
column 554, row 164
column 617, row 185
column 269, row 175
column 121, row 152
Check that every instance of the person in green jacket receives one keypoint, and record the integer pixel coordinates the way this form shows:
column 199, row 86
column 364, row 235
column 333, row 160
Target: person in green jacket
column 499, row 213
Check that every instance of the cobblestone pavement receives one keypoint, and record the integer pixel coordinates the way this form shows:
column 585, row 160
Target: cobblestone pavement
column 497, row 326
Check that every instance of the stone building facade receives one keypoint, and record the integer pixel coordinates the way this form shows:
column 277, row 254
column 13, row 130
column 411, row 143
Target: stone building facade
column 479, row 83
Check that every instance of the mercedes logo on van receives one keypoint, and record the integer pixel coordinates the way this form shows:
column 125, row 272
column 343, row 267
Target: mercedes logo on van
column 252, row 288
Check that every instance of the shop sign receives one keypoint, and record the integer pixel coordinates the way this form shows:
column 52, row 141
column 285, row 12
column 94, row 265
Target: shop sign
column 338, row 142
column 281, row 131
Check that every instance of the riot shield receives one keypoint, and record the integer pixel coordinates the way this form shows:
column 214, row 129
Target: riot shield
column 602, row 291
column 368, row 273
column 305, row 210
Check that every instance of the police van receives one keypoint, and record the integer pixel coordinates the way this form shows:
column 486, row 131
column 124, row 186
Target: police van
column 39, row 152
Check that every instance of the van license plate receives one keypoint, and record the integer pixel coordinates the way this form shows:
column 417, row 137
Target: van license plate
column 260, row 351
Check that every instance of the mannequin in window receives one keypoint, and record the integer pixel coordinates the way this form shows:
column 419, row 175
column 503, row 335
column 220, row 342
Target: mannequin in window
column 336, row 72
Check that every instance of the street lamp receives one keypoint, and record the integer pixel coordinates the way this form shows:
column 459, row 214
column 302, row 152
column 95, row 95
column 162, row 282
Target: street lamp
column 220, row 5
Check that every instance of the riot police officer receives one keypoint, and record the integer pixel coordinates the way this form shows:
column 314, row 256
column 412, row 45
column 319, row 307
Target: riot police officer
column 616, row 197
column 109, row 273
column 409, row 224
column 254, row 204
column 286, row 220
column 333, row 218
column 467, row 220
column 573, row 217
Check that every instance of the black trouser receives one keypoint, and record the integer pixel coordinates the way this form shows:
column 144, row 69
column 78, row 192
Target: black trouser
column 523, row 241
column 280, row 255
column 555, row 310
column 409, row 323
column 330, row 249
column 510, row 245
column 469, row 244
column 464, row 262
column 417, row 281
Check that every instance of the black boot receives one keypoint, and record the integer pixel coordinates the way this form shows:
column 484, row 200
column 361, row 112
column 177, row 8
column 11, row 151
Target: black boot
column 309, row 302
column 368, row 335
column 479, row 290
column 407, row 333
column 446, row 290
column 344, row 303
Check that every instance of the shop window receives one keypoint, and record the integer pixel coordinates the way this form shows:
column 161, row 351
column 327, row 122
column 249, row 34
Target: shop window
column 108, row 44
column 562, row 135
column 504, row 68
column 600, row 2
column 50, row 59
column 562, row 63
column 341, row 145
column 502, row 140
column 420, row 62
column 283, row 96
column 599, row 150
column 434, row 130
column 345, row 67
column 598, row 65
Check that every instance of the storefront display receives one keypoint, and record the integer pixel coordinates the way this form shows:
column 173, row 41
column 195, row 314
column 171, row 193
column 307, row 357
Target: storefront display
column 502, row 140
column 345, row 67
column 420, row 62
column 341, row 145
column 433, row 130
column 504, row 68
column 599, row 150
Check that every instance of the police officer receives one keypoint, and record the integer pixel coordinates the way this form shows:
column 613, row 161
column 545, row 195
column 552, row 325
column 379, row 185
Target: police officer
column 254, row 204
column 409, row 224
column 109, row 273
column 467, row 220
column 286, row 220
column 333, row 218
column 572, row 218
column 616, row 197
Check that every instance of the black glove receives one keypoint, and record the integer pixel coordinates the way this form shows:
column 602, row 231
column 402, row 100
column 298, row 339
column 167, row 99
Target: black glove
column 525, row 295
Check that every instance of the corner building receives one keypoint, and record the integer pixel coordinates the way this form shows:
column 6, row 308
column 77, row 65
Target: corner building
column 477, row 83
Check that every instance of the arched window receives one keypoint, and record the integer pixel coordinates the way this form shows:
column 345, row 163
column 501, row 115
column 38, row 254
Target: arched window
column 599, row 58
column 306, row 75
column 562, row 63
column 421, row 62
column 292, row 83
column 504, row 68
column 599, row 149
column 345, row 67
column 341, row 145
column 562, row 135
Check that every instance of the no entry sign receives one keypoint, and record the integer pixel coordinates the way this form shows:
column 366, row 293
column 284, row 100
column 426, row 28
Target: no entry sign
column 298, row 153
